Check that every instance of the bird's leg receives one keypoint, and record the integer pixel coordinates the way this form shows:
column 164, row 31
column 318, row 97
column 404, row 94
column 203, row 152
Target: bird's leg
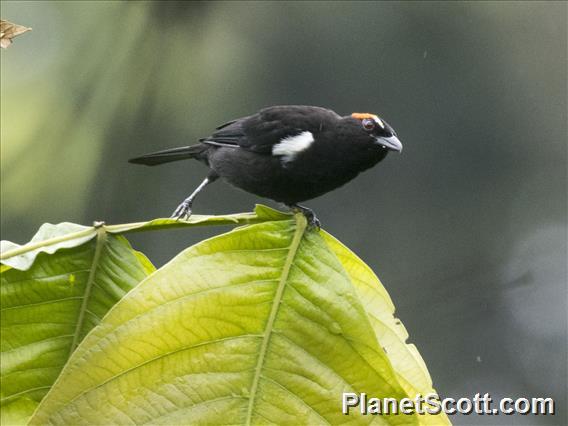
column 313, row 221
column 183, row 211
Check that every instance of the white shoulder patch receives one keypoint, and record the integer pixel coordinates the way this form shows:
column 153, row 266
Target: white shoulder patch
column 291, row 146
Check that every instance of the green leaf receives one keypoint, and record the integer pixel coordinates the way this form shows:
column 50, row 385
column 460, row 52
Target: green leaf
column 51, row 238
column 261, row 214
column 62, row 235
column 405, row 359
column 66, row 300
column 259, row 325
column 49, row 307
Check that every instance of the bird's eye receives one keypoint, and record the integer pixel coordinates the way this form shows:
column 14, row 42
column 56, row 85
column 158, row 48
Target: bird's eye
column 368, row 123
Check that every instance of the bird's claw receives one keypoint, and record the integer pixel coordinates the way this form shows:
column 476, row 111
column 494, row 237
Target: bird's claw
column 313, row 221
column 183, row 211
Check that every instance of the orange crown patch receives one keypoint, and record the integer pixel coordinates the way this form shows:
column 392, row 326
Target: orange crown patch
column 362, row 115
column 366, row 115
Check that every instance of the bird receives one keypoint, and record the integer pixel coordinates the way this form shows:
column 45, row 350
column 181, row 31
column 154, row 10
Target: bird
column 287, row 153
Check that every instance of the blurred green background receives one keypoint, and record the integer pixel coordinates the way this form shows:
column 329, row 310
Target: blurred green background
column 467, row 228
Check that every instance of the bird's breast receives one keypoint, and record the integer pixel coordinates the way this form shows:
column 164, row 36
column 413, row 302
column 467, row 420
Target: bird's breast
column 294, row 176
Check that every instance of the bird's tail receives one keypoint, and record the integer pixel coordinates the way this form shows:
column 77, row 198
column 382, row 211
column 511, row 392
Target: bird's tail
column 168, row 155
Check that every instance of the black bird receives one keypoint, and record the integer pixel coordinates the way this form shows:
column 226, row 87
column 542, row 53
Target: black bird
column 287, row 153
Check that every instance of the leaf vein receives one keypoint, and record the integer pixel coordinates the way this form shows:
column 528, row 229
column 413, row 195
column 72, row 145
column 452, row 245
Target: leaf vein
column 47, row 302
column 297, row 397
column 47, row 277
column 296, row 240
column 36, row 342
column 16, row 395
column 157, row 358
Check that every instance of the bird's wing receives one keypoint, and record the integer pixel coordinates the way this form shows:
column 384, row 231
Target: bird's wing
column 228, row 134
column 262, row 131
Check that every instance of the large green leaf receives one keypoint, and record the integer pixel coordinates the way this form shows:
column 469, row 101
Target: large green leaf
column 59, row 293
column 62, row 235
column 51, row 238
column 259, row 325
column 49, row 303
column 261, row 213
column 405, row 359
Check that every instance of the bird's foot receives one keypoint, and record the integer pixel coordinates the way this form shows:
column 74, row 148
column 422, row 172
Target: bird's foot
column 313, row 221
column 183, row 211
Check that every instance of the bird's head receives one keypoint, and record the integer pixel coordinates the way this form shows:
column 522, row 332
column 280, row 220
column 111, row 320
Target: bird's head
column 375, row 130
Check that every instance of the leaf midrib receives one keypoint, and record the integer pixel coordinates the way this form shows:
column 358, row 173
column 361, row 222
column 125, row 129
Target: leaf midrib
column 296, row 239
column 99, row 244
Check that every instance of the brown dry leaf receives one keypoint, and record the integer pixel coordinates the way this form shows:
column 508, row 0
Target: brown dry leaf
column 8, row 31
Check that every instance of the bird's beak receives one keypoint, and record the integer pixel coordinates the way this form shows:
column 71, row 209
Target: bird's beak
column 391, row 143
